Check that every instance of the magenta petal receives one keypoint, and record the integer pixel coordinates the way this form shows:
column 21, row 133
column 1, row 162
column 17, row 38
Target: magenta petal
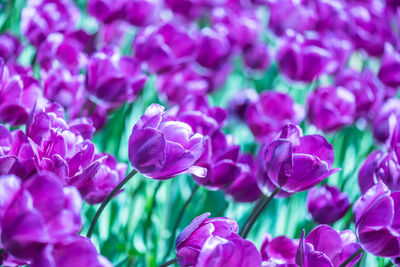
column 326, row 240
column 279, row 161
column 191, row 228
column 318, row 146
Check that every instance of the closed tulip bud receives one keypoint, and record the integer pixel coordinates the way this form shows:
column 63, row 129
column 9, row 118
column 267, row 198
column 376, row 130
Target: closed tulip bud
column 257, row 57
column 10, row 47
column 142, row 12
column 390, row 62
column 279, row 250
column 106, row 11
column 385, row 119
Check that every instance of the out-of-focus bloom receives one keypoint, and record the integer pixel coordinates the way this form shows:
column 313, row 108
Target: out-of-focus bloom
column 60, row 50
column 142, row 12
column 215, row 242
column 244, row 188
column 192, row 9
column 331, row 108
column 73, row 251
column 61, row 86
column 178, row 84
column 271, row 112
column 327, row 204
column 329, row 15
column 389, row 64
column 113, row 79
column 214, row 48
column 385, row 119
column 294, row 162
column 10, row 47
column 43, row 17
column 340, row 47
column 165, row 46
column 291, row 15
column 160, row 148
column 112, row 33
column 17, row 96
column 279, row 250
column 324, row 246
column 106, row 179
column 257, row 57
column 106, row 11
column 380, row 167
column 302, row 59
column 240, row 102
column 376, row 217
column 365, row 89
column 86, row 108
column 38, row 212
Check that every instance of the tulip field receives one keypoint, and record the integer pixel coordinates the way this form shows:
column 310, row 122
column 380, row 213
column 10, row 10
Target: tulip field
column 200, row 133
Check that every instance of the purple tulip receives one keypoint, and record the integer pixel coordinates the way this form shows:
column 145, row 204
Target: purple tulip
column 328, row 15
column 62, row 50
column 279, row 250
column 294, row 162
column 257, row 57
column 161, row 148
column 385, row 119
column 192, row 9
column 271, row 112
column 112, row 33
column 327, row 204
column 340, row 47
column 43, row 17
column 302, row 59
column 142, row 12
column 206, row 242
column 110, row 174
column 380, row 167
column 113, row 79
column 164, row 47
column 17, row 96
column 106, row 11
column 390, row 62
column 241, row 101
column 331, row 108
column 38, row 212
column 10, row 47
column 376, row 214
column 364, row 87
column 244, row 188
column 178, row 84
column 324, row 246
column 74, row 251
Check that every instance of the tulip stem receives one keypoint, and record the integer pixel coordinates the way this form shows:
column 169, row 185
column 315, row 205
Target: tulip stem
column 150, row 212
column 258, row 209
column 352, row 257
column 178, row 220
column 168, row 263
column 255, row 209
column 107, row 200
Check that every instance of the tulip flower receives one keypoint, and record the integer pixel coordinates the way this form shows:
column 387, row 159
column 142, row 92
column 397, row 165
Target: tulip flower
column 331, row 108
column 327, row 204
column 161, row 149
column 390, row 62
column 241, row 101
column 257, row 57
column 385, row 119
column 279, row 250
column 106, row 11
column 10, row 47
column 142, row 12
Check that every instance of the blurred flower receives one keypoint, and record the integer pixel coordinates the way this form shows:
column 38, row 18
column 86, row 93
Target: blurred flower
column 106, row 11
column 329, row 15
column 142, row 12
column 112, row 34
column 279, row 250
column 161, row 149
column 331, row 108
column 192, row 9
column 270, row 113
column 241, row 101
column 380, row 167
column 164, row 46
column 214, row 241
column 327, row 204
column 294, row 162
column 365, row 89
column 257, row 57
column 43, row 17
column 302, row 59
column 340, row 47
column 385, row 119
column 10, row 47
column 38, row 212
column 113, row 79
column 324, row 246
column 244, row 188
column 376, row 217
column 390, row 62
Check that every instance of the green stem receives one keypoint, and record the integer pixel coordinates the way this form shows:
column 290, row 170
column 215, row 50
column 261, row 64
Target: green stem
column 254, row 211
column 150, row 213
column 168, row 263
column 258, row 212
column 107, row 200
column 178, row 220
column 352, row 257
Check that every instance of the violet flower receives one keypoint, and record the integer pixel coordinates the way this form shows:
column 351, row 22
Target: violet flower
column 241, row 101
column 385, row 119
column 270, row 113
column 327, row 204
column 161, row 148
column 142, row 12
column 256, row 57
column 331, row 108
column 279, row 250
column 106, row 11
column 10, row 47
column 390, row 62
column 294, row 162
column 324, row 246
